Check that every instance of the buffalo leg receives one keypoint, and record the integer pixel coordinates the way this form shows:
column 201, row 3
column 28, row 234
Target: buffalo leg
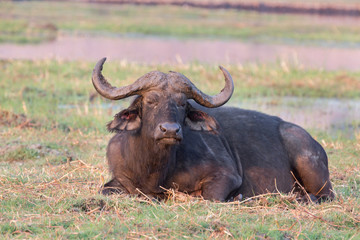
column 308, row 160
column 221, row 187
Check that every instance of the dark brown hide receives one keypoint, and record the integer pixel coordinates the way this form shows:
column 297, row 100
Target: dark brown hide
column 165, row 140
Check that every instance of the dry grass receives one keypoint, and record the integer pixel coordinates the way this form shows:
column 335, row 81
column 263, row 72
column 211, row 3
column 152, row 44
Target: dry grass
column 52, row 164
column 42, row 198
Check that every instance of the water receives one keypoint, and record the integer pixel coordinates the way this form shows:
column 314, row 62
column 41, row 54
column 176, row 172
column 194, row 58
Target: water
column 152, row 50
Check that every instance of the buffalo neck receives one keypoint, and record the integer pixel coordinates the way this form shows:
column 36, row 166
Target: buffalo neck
column 152, row 162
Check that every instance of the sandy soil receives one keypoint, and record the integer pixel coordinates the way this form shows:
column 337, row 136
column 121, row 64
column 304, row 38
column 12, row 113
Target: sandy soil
column 168, row 50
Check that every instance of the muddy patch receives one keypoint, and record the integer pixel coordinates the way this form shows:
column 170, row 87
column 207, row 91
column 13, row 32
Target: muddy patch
column 90, row 205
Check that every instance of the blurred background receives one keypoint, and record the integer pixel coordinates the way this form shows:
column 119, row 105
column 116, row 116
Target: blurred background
column 286, row 35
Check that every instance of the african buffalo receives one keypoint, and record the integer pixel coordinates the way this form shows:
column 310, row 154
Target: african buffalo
column 165, row 140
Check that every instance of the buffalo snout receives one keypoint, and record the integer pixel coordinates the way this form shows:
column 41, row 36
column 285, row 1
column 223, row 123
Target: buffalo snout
column 168, row 133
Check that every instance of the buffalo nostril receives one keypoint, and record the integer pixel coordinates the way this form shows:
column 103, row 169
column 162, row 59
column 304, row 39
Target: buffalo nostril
column 162, row 128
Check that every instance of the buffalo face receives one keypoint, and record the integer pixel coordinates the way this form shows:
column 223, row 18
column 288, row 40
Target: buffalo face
column 162, row 118
column 162, row 110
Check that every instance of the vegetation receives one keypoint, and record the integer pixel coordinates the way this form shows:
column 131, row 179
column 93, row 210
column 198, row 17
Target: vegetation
column 23, row 22
column 52, row 163
column 53, row 138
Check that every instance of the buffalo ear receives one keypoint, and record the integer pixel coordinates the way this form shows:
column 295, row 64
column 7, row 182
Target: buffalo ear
column 126, row 120
column 200, row 121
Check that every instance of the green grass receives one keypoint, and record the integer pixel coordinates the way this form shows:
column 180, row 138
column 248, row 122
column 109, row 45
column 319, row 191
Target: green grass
column 41, row 86
column 61, row 201
column 23, row 31
column 53, row 163
column 53, row 138
column 40, row 21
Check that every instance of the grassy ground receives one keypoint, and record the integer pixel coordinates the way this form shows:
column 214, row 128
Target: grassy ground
column 52, row 160
column 24, row 22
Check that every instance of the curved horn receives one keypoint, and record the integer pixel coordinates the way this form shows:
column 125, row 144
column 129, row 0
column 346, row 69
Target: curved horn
column 106, row 90
column 219, row 99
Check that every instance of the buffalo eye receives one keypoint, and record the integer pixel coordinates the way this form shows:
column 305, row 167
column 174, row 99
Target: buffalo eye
column 151, row 102
column 181, row 104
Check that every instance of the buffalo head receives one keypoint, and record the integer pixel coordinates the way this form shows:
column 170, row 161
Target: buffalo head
column 162, row 110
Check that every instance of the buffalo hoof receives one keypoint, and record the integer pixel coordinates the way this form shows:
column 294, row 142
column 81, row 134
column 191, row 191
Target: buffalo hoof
column 311, row 198
column 236, row 198
column 110, row 190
